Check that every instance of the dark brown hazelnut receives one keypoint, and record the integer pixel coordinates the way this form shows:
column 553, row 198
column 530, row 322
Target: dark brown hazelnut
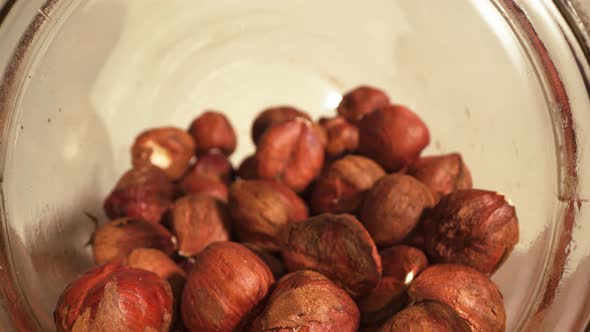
column 226, row 282
column 474, row 227
column 114, row 240
column 170, row 149
column 307, row 301
column 273, row 260
column 342, row 137
column 442, row 174
column 112, row 297
column 290, row 152
column 195, row 183
column 273, row 116
column 393, row 207
column 248, row 169
column 214, row 165
column 426, row 317
column 213, row 131
column 471, row 294
column 401, row 264
column 199, row 220
column 261, row 210
column 338, row 246
column 361, row 101
column 393, row 136
column 143, row 192
column 158, row 262
column 342, row 187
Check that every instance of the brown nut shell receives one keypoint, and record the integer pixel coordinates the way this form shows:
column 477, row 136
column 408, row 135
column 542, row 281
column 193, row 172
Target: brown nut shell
column 112, row 297
column 426, row 317
column 341, row 136
column 158, row 262
column 273, row 116
column 393, row 207
column 401, row 264
column 442, row 174
column 168, row 148
column 342, row 187
column 205, row 185
column 213, row 131
column 337, row 246
column 197, row 221
column 393, row 136
column 471, row 294
column 274, row 262
column 114, row 240
column 474, row 227
column 144, row 192
column 361, row 101
column 291, row 153
column 248, row 169
column 307, row 301
column 262, row 209
column 226, row 282
column 213, row 164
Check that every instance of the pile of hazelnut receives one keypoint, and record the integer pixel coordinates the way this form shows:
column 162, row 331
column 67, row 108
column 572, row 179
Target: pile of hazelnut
column 336, row 225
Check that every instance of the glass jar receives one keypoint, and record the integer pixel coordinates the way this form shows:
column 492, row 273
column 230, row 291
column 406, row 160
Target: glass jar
column 505, row 82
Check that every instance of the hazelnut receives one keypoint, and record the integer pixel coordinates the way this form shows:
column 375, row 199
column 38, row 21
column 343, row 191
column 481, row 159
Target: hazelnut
column 474, row 227
column 337, row 246
column 112, row 297
column 393, row 207
column 197, row 221
column 426, row 317
column 442, row 174
column 212, row 130
column 143, row 192
column 393, row 136
column 225, row 283
column 114, row 240
column 342, row 187
column 261, row 210
column 341, row 136
column 471, row 294
column 401, row 264
column 274, row 262
column 158, row 262
column 307, row 301
column 170, row 149
column 273, row 116
column 248, row 169
column 214, row 165
column 290, row 152
column 204, row 185
column 361, row 101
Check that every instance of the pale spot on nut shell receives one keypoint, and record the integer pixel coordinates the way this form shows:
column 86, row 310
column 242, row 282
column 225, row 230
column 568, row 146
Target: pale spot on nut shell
column 159, row 156
column 409, row 278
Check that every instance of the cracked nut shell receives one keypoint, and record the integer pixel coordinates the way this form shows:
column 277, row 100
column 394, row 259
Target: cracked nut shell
column 292, row 153
column 112, row 297
column 338, row 246
column 168, row 148
column 471, row 294
column 307, row 301
column 474, row 227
